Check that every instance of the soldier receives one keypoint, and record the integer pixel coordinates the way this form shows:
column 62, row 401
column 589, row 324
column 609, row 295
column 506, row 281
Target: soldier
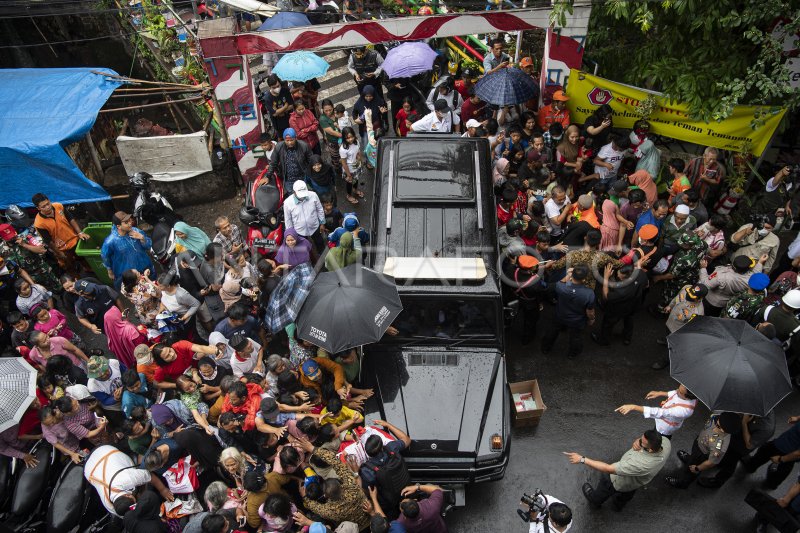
column 687, row 304
column 708, row 449
column 727, row 281
column 684, row 268
column 746, row 304
column 14, row 248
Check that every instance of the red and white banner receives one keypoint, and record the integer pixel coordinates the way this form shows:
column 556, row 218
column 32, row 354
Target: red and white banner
column 351, row 34
column 229, row 74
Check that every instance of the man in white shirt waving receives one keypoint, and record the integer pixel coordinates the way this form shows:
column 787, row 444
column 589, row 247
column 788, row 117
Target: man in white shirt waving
column 678, row 406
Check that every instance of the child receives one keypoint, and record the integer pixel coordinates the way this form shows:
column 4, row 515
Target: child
column 350, row 153
column 343, row 119
column 48, row 387
column 52, row 323
column 333, row 216
column 189, row 394
column 401, row 118
column 135, row 392
column 340, row 415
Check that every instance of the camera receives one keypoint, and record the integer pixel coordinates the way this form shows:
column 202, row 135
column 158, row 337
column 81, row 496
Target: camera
column 536, row 506
column 794, row 171
column 759, row 220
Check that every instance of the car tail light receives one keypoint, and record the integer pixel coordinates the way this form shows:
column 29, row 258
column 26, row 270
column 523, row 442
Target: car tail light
column 497, row 442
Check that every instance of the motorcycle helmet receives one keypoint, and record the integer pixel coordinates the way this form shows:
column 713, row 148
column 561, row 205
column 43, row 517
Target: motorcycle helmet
column 248, row 215
column 140, row 181
column 17, row 217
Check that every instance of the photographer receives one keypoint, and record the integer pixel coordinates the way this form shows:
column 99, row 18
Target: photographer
column 555, row 516
column 756, row 239
column 780, row 191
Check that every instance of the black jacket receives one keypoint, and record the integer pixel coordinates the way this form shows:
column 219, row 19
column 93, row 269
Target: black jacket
column 278, row 161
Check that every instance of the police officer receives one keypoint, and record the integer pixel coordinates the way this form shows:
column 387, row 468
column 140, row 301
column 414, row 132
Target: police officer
column 746, row 304
column 756, row 431
column 365, row 66
column 708, row 449
column 93, row 303
column 727, row 281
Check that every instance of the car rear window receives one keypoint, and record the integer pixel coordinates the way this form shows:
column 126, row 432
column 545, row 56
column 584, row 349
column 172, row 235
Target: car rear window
column 435, row 171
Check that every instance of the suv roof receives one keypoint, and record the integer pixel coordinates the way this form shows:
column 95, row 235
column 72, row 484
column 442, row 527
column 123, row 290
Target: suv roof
column 441, row 197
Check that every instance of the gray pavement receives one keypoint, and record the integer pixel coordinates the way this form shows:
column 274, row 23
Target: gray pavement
column 581, row 396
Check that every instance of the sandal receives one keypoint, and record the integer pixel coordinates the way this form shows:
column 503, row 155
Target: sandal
column 360, row 194
column 352, row 200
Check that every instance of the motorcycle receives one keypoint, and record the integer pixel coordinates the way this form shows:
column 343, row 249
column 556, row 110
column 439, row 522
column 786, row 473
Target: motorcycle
column 152, row 208
column 262, row 213
column 74, row 503
column 31, row 490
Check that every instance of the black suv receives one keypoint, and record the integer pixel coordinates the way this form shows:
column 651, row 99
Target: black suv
column 442, row 379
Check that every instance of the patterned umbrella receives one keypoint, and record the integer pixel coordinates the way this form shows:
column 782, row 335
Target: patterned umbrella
column 507, row 86
column 408, row 59
column 300, row 66
column 288, row 297
column 17, row 389
column 284, row 20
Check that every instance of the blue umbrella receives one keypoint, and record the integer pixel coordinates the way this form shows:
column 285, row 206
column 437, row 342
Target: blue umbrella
column 284, row 20
column 300, row 66
column 507, row 86
column 288, row 297
column 408, row 59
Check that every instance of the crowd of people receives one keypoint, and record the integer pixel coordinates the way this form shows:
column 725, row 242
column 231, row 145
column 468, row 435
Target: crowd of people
column 188, row 405
column 195, row 402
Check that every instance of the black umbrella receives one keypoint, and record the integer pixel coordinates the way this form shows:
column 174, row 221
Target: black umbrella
column 349, row 307
column 729, row 365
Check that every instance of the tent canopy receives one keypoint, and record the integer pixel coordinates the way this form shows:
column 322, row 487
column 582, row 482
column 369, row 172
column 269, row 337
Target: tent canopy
column 44, row 110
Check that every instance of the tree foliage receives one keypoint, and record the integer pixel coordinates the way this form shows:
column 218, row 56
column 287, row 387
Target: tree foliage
column 709, row 54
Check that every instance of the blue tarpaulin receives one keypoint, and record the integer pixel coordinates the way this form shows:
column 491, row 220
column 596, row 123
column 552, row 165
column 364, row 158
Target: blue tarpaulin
column 43, row 111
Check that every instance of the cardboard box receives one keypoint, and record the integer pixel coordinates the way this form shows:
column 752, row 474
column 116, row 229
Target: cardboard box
column 532, row 417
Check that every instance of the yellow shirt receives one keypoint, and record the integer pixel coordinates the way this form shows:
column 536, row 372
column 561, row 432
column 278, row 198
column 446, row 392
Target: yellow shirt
column 344, row 415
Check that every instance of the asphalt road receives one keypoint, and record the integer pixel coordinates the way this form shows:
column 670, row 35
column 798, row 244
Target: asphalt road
column 581, row 395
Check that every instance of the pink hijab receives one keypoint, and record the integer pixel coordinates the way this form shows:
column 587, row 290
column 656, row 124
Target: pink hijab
column 123, row 336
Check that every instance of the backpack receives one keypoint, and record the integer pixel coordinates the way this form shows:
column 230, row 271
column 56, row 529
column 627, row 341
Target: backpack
column 391, row 477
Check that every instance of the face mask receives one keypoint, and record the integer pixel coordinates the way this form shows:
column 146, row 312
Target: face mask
column 641, row 241
column 763, row 232
column 275, row 92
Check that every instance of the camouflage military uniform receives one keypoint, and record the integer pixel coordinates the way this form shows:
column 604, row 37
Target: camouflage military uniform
column 743, row 306
column 34, row 264
column 685, row 266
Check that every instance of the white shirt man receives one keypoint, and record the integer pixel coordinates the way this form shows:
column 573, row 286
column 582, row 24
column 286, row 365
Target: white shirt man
column 440, row 120
column 553, row 209
column 244, row 360
column 672, row 412
column 113, row 474
column 303, row 210
column 538, row 527
column 609, row 154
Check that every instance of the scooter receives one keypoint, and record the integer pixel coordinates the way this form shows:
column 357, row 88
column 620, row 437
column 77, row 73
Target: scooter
column 74, row 505
column 31, row 491
column 263, row 214
column 152, row 208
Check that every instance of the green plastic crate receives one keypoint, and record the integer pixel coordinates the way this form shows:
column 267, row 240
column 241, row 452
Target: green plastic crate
column 89, row 250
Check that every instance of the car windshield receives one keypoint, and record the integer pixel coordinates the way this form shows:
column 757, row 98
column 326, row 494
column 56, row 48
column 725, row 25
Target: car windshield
column 446, row 319
column 440, row 171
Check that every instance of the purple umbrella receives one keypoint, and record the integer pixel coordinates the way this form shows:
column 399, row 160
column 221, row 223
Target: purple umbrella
column 408, row 59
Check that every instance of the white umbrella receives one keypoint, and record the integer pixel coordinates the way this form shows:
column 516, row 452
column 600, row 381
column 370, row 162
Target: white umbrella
column 17, row 390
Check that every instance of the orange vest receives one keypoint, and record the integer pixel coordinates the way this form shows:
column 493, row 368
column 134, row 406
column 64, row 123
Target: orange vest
column 61, row 233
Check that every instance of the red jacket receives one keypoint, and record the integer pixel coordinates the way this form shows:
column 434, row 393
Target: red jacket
column 306, row 127
column 249, row 408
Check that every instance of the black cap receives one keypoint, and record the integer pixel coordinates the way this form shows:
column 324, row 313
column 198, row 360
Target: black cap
column 269, row 408
column 730, row 422
column 238, row 342
column 441, row 105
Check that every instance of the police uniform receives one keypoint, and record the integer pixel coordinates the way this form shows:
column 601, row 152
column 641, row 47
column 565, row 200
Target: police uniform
column 723, row 284
column 711, row 444
column 370, row 62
